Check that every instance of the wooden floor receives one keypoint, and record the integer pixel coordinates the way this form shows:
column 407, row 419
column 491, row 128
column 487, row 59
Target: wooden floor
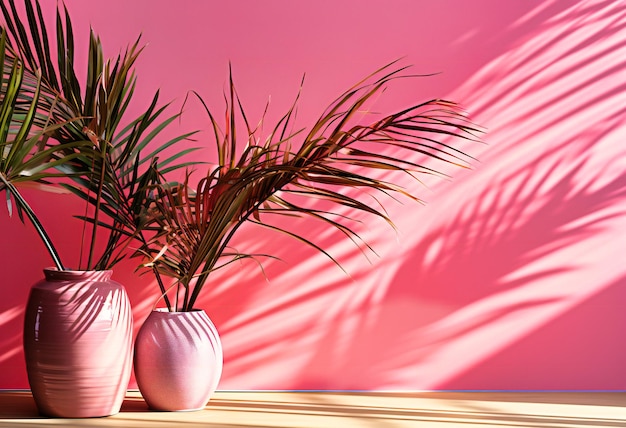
column 344, row 410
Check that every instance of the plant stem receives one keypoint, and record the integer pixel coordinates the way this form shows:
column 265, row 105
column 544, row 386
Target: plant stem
column 186, row 299
column 98, row 203
column 162, row 287
column 35, row 221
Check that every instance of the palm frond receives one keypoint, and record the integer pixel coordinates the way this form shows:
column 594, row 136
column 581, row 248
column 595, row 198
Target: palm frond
column 111, row 172
column 22, row 158
column 194, row 229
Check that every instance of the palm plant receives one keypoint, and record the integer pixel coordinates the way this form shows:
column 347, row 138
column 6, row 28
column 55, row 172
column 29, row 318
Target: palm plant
column 194, row 227
column 113, row 172
column 24, row 156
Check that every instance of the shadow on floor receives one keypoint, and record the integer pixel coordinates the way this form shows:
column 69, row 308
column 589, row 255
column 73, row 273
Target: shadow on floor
column 350, row 409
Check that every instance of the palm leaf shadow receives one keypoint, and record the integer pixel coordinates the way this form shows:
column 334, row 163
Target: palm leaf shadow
column 544, row 200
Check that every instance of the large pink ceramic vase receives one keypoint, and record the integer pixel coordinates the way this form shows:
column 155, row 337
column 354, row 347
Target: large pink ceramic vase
column 78, row 343
column 178, row 360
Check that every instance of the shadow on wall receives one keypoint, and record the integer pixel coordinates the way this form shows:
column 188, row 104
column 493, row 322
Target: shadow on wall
column 581, row 348
column 505, row 260
column 517, row 254
column 15, row 284
column 492, row 280
column 11, row 325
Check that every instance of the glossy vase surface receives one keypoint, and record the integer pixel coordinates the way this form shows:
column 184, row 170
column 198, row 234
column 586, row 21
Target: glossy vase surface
column 78, row 343
column 178, row 360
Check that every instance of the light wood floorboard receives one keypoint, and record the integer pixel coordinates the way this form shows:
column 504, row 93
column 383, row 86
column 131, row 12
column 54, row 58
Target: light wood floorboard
column 351, row 409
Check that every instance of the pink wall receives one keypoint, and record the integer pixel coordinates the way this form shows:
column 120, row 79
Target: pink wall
column 513, row 275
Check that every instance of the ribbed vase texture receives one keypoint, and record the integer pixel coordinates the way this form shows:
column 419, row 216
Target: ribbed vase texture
column 78, row 343
column 178, row 360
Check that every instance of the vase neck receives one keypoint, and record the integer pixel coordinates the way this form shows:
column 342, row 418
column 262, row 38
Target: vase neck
column 53, row 274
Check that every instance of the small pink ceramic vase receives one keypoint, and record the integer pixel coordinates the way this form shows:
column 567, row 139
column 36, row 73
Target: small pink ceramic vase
column 178, row 360
column 78, row 343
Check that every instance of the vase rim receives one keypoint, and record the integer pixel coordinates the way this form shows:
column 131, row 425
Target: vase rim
column 167, row 311
column 52, row 273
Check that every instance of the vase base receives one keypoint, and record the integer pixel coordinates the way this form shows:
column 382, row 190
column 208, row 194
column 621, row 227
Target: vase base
column 75, row 415
column 197, row 409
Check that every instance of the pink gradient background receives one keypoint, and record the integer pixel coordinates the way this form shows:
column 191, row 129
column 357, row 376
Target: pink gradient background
column 511, row 277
